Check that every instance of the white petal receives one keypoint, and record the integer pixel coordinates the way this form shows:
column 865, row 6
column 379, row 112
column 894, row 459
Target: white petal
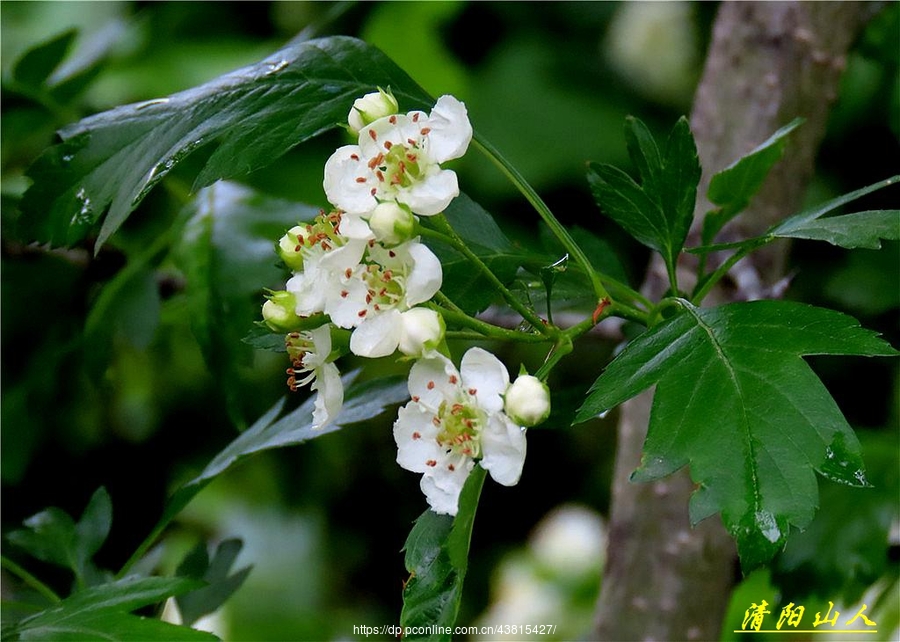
column 426, row 276
column 451, row 130
column 432, row 194
column 378, row 335
column 307, row 287
column 342, row 188
column 485, row 373
column 431, row 381
column 321, row 339
column 345, row 299
column 503, row 447
column 416, row 438
column 347, row 256
column 354, row 227
column 442, row 490
column 331, row 395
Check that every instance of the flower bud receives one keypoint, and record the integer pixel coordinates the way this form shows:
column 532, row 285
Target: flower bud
column 371, row 107
column 279, row 312
column 289, row 248
column 527, row 401
column 421, row 331
column 392, row 223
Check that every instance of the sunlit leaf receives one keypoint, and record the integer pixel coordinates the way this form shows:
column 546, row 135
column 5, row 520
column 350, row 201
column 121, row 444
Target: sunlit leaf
column 735, row 401
column 861, row 229
column 246, row 119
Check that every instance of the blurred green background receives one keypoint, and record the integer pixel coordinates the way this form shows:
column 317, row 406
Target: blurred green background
column 112, row 375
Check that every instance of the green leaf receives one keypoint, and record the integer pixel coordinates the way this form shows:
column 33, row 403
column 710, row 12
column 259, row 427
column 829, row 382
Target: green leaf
column 227, row 253
column 437, row 552
column 733, row 187
column 657, row 212
column 735, row 401
column 101, row 612
column 53, row 536
column 215, row 572
column 861, row 229
column 246, row 119
column 36, row 64
column 472, row 291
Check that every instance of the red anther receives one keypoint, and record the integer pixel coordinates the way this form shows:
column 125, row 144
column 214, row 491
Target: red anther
column 373, row 135
column 360, row 179
column 348, row 272
column 388, row 144
column 415, row 117
column 325, row 246
column 415, row 398
column 294, row 335
column 411, row 142
column 382, row 291
column 380, row 175
column 425, row 131
column 354, row 156
column 416, row 435
column 371, row 242
column 388, row 275
column 431, row 463
column 393, row 119
column 411, row 158
column 453, row 380
column 436, row 421
column 377, row 308
column 344, row 294
column 401, row 166
column 297, row 248
column 473, row 391
column 368, row 298
column 600, row 308
column 451, row 467
column 456, row 408
column 430, row 385
column 373, row 192
column 392, row 254
column 361, row 313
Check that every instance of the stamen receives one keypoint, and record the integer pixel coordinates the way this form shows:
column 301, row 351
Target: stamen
column 431, row 463
column 361, row 313
column 451, row 467
column 453, row 379
column 360, row 179
column 473, row 391
column 354, row 157
column 416, row 435
column 344, row 294
column 373, row 135
column 415, row 117
column 425, row 131
column 393, row 119
column 430, row 385
column 388, row 144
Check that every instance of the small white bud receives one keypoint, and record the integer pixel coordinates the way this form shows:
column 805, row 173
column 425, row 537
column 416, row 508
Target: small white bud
column 289, row 248
column 422, row 330
column 279, row 311
column 371, row 107
column 527, row 401
column 392, row 223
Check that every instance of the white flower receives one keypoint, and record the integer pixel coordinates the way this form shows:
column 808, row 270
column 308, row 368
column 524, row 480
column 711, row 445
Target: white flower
column 372, row 296
column 309, row 352
column 398, row 159
column 370, row 108
column 456, row 418
column 527, row 401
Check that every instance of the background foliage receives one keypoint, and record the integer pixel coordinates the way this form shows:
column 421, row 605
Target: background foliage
column 125, row 370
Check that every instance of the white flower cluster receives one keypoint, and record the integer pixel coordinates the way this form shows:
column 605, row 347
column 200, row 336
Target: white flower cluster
column 360, row 268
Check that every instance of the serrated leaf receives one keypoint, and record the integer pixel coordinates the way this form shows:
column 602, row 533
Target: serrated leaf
column 733, row 187
column 102, row 612
column 215, row 572
column 247, row 118
column 657, row 212
column 437, row 552
column 36, row 64
column 861, row 229
column 735, row 401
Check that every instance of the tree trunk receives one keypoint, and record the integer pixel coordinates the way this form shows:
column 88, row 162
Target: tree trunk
column 768, row 63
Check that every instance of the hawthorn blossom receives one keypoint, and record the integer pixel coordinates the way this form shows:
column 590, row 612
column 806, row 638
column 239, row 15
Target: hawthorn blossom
column 456, row 418
column 370, row 108
column 527, row 401
column 309, row 352
column 373, row 296
column 398, row 158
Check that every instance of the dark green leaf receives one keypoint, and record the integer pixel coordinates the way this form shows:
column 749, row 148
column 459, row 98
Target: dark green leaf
column 437, row 552
column 92, row 529
column 248, row 118
column 733, row 187
column 731, row 387
column 215, row 572
column 227, row 253
column 101, row 612
column 862, row 229
column 657, row 212
column 36, row 64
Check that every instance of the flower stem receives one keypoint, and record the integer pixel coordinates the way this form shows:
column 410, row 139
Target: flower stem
column 450, row 236
column 561, row 233
column 28, row 578
column 487, row 331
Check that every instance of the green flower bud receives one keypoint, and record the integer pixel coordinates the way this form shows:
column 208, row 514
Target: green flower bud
column 289, row 247
column 279, row 312
column 527, row 401
column 371, row 107
column 392, row 223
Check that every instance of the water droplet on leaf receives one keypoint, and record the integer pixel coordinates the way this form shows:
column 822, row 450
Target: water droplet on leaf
column 276, row 66
column 150, row 103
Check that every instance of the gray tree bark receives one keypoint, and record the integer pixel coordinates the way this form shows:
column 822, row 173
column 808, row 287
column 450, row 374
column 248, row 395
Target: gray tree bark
column 768, row 63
